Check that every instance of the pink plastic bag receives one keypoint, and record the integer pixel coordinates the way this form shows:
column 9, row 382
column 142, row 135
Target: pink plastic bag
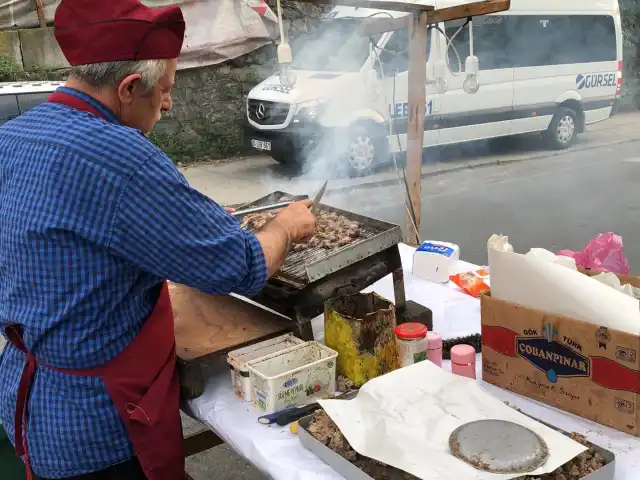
column 604, row 253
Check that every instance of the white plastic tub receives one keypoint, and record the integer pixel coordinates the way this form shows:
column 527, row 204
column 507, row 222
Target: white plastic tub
column 237, row 360
column 297, row 376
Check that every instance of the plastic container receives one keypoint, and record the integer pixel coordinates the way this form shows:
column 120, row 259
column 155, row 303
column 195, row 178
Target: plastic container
column 294, row 377
column 237, row 360
column 434, row 348
column 411, row 339
column 434, row 261
column 463, row 361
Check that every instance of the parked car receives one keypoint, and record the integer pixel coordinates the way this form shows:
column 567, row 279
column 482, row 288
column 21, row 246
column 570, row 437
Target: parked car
column 18, row 97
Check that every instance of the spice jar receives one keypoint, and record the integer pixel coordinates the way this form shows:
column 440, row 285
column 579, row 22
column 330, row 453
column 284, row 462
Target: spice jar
column 463, row 361
column 434, row 346
column 411, row 339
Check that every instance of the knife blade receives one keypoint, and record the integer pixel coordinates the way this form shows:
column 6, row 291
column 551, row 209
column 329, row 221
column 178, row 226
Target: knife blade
column 318, row 196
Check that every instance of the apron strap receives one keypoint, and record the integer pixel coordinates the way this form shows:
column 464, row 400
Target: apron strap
column 14, row 334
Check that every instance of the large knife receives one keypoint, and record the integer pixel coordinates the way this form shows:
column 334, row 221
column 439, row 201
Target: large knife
column 318, row 196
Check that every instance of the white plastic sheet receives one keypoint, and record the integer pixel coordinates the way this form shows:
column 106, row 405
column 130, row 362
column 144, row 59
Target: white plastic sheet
column 217, row 30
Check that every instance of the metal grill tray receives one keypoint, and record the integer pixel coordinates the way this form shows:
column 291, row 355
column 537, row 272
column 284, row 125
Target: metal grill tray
column 351, row 472
column 308, row 266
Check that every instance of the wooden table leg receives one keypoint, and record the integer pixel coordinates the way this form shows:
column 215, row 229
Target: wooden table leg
column 200, row 442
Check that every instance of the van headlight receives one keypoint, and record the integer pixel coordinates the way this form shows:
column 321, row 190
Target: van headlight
column 309, row 111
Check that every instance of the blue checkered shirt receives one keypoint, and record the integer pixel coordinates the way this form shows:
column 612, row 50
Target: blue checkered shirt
column 93, row 217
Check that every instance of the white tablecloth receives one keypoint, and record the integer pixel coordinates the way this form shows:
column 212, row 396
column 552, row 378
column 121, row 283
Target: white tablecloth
column 280, row 455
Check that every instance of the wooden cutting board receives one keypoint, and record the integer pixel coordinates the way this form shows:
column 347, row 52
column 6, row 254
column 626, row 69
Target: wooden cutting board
column 216, row 324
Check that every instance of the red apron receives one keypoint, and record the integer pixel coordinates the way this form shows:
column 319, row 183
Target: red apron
column 142, row 381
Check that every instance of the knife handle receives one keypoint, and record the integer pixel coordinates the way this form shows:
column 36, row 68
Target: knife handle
column 286, row 417
column 272, row 417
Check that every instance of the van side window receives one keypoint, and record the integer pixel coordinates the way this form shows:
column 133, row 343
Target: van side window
column 512, row 41
column 8, row 108
column 26, row 101
column 395, row 56
column 490, row 42
column 537, row 40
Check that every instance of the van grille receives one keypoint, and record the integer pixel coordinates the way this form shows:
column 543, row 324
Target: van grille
column 268, row 113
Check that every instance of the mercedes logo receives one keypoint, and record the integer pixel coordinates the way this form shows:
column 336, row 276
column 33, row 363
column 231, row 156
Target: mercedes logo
column 260, row 111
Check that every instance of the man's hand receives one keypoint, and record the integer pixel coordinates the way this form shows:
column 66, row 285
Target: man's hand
column 229, row 209
column 293, row 224
column 298, row 221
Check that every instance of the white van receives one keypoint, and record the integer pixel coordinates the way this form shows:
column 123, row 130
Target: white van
column 544, row 66
column 18, row 97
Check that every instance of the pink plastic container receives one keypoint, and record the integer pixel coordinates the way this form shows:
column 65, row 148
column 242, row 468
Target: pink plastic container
column 463, row 361
column 434, row 348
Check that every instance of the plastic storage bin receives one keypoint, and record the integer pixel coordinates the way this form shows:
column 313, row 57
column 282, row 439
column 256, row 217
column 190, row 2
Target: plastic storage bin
column 240, row 379
column 297, row 376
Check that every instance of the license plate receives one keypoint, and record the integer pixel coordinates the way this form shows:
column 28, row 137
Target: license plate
column 261, row 144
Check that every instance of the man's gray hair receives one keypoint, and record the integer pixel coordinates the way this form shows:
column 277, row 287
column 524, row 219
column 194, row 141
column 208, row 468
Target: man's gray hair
column 110, row 74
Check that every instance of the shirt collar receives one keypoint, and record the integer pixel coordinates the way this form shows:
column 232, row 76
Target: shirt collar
column 108, row 114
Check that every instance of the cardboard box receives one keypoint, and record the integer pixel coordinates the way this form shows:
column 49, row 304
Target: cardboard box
column 585, row 369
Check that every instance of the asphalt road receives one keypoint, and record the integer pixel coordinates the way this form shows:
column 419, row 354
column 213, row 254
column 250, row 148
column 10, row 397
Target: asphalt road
column 557, row 202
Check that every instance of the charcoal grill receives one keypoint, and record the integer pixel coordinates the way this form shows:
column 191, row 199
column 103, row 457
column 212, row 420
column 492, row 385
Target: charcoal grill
column 310, row 277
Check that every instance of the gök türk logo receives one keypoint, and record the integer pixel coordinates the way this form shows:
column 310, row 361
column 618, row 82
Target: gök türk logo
column 549, row 355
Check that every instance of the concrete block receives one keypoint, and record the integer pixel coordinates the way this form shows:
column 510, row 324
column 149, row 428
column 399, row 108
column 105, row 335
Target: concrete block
column 10, row 46
column 40, row 49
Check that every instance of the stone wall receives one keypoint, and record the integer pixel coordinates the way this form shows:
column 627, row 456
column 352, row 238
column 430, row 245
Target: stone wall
column 209, row 107
column 32, row 48
column 209, row 102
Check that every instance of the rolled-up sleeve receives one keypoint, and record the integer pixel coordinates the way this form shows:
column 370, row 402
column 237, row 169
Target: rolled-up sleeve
column 173, row 231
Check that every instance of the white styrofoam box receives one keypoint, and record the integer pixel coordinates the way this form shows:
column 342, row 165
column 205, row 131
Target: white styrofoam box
column 292, row 378
column 240, row 380
column 434, row 260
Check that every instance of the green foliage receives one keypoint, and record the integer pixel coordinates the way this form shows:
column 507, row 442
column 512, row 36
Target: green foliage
column 207, row 141
column 10, row 71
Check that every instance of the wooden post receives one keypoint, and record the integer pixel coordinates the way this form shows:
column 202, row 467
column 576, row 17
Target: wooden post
column 415, row 133
column 40, row 13
column 422, row 16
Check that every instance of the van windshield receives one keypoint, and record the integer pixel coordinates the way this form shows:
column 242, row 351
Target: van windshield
column 335, row 46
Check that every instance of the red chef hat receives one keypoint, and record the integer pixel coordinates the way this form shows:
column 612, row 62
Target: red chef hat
column 91, row 31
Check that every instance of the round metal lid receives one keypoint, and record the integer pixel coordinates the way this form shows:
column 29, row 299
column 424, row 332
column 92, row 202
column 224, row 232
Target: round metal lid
column 498, row 446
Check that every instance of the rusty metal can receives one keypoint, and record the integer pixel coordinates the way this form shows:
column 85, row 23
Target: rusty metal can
column 360, row 328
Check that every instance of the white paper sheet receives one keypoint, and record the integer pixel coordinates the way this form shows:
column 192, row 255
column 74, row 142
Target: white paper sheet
column 405, row 418
column 554, row 288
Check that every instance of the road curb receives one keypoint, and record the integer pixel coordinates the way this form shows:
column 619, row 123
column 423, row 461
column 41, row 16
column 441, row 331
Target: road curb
column 479, row 164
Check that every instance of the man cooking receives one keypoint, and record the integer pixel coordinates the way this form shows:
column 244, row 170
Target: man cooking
column 93, row 219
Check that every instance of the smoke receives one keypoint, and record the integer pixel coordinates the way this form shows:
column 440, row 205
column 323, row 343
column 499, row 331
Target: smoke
column 328, row 62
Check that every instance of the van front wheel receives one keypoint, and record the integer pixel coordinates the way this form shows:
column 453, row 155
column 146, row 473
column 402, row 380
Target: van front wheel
column 563, row 130
column 364, row 150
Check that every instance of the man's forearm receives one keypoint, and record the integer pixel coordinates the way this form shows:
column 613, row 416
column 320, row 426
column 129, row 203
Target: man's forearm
column 275, row 241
